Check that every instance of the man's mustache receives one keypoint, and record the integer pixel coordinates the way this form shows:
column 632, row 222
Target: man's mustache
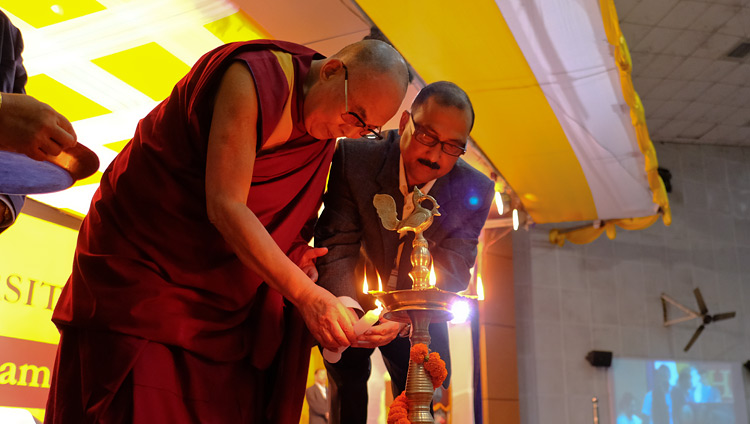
column 429, row 164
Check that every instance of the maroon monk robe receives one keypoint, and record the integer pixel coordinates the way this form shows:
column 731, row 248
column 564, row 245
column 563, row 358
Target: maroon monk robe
column 154, row 285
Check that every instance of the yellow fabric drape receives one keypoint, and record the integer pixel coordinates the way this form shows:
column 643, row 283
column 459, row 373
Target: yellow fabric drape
column 637, row 113
column 638, row 118
column 590, row 233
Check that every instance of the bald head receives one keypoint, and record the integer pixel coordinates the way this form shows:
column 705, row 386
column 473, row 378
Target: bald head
column 321, row 376
column 354, row 91
column 375, row 56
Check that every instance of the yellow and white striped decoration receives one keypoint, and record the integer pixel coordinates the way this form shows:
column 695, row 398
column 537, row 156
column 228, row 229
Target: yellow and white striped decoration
column 549, row 79
column 555, row 105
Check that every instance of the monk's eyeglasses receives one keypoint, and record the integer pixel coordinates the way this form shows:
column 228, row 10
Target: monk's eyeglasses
column 351, row 118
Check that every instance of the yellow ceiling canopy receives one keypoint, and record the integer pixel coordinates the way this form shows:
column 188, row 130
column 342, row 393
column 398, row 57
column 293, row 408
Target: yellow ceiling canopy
column 555, row 108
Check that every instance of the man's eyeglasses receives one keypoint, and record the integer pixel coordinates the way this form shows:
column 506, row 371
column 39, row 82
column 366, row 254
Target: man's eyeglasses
column 428, row 140
column 351, row 118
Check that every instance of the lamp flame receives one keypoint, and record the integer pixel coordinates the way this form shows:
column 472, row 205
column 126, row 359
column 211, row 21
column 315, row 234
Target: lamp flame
column 380, row 283
column 480, row 288
column 365, row 286
column 433, row 279
column 379, row 305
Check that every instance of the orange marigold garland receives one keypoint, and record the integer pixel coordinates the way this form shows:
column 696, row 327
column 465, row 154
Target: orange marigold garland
column 435, row 368
column 399, row 411
column 419, row 353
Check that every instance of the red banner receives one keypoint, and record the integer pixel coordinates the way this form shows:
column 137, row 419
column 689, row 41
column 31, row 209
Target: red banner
column 25, row 372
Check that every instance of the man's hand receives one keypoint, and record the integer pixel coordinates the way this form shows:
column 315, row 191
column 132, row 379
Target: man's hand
column 329, row 321
column 307, row 263
column 33, row 128
column 380, row 335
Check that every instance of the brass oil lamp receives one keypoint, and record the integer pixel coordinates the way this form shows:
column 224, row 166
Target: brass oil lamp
column 422, row 304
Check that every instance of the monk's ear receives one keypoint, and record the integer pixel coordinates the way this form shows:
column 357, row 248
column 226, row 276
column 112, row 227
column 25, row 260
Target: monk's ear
column 330, row 69
column 402, row 123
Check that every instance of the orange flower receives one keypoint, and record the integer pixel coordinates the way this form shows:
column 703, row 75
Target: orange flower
column 398, row 414
column 419, row 353
column 435, row 367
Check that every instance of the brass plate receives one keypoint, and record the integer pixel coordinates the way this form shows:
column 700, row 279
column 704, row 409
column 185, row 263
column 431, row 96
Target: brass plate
column 398, row 303
column 19, row 174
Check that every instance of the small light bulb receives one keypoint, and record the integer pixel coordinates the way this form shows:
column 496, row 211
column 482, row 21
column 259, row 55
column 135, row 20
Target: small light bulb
column 57, row 9
column 515, row 220
column 499, row 203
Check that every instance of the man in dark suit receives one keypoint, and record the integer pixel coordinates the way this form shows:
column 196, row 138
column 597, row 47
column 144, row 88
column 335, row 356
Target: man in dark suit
column 424, row 152
column 317, row 398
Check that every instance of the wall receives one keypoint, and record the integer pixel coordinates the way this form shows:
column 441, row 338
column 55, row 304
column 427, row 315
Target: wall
column 497, row 344
column 605, row 295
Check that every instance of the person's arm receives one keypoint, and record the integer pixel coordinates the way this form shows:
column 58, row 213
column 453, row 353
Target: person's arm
column 339, row 229
column 229, row 170
column 302, row 254
column 33, row 128
column 455, row 254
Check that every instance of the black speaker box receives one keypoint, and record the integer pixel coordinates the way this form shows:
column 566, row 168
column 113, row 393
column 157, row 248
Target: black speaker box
column 599, row 358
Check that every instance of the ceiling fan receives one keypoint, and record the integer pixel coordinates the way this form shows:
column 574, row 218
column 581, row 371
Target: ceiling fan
column 691, row 314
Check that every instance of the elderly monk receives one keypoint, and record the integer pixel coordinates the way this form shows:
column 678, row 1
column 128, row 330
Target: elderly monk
column 192, row 278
